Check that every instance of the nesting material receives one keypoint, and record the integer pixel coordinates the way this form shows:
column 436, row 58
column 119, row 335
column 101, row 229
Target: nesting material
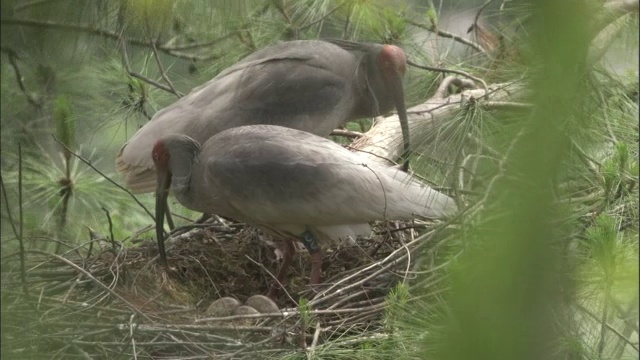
column 119, row 302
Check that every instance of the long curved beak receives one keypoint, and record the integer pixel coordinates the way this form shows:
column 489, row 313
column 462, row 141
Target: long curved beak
column 162, row 192
column 401, row 107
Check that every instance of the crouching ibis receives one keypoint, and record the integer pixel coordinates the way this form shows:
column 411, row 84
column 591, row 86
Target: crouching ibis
column 310, row 85
column 290, row 183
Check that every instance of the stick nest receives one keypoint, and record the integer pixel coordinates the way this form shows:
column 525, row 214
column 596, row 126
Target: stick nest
column 104, row 300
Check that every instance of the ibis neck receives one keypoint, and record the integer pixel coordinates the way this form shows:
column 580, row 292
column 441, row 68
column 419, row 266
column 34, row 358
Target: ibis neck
column 376, row 95
column 182, row 164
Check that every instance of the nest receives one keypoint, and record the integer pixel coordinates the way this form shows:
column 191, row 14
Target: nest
column 105, row 300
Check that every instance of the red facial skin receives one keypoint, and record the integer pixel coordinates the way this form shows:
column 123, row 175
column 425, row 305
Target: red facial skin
column 160, row 156
column 392, row 60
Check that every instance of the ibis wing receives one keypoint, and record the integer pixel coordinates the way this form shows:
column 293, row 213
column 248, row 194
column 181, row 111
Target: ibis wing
column 297, row 84
column 269, row 176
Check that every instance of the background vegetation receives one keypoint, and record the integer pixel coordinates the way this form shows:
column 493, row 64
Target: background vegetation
column 543, row 263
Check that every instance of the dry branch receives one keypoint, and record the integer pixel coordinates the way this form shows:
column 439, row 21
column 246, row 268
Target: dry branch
column 384, row 140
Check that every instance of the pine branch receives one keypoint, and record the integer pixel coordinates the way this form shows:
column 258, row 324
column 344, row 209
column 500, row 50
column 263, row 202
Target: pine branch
column 88, row 163
column 445, row 34
column 113, row 35
column 12, row 60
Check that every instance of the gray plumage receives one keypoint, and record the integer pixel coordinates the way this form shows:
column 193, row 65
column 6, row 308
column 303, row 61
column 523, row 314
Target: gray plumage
column 310, row 85
column 290, row 183
column 290, row 180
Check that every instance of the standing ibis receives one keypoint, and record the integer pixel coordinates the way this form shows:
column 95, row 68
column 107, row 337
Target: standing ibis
column 310, row 85
column 289, row 182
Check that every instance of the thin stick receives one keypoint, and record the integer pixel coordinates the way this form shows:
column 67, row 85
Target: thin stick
column 100, row 32
column 98, row 282
column 133, row 341
column 611, row 328
column 21, row 222
column 475, row 20
column 127, row 67
column 113, row 241
column 12, row 60
column 303, row 27
column 272, row 276
column 459, row 72
column 88, row 163
column 6, row 206
column 314, row 342
column 346, row 133
column 164, row 73
column 448, row 35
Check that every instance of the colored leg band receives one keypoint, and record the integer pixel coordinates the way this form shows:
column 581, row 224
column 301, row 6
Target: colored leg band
column 310, row 242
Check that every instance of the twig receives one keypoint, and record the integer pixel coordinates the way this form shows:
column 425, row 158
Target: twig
column 272, row 276
column 448, row 35
column 12, row 60
column 127, row 67
column 133, row 341
column 346, row 133
column 611, row 328
column 199, row 45
column 163, row 73
column 21, row 222
column 459, row 72
column 88, row 163
column 399, row 229
column 98, row 282
column 475, row 20
column 443, row 89
column 351, row 148
column 303, row 27
column 85, row 28
column 6, row 206
column 314, row 342
column 481, row 34
column 113, row 241
column 506, row 105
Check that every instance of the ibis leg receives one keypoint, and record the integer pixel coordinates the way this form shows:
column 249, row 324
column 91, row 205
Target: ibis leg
column 202, row 218
column 289, row 250
column 316, row 267
column 168, row 215
column 310, row 242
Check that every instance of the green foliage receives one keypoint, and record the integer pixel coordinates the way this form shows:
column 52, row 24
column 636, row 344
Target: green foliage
column 432, row 15
column 65, row 122
column 522, row 249
column 305, row 311
column 610, row 262
column 153, row 15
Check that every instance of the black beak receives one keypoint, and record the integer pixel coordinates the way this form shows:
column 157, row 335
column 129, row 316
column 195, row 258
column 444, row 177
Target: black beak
column 162, row 192
column 401, row 107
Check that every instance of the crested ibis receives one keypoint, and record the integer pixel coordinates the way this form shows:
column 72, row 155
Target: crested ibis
column 310, row 85
column 290, row 183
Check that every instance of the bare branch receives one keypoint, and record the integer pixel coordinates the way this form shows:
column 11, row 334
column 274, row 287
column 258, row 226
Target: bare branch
column 323, row 17
column 100, row 32
column 448, row 35
column 459, row 72
column 12, row 60
column 506, row 105
column 384, row 140
column 443, row 89
column 164, row 74
column 98, row 282
column 88, row 163
column 346, row 133
column 127, row 67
